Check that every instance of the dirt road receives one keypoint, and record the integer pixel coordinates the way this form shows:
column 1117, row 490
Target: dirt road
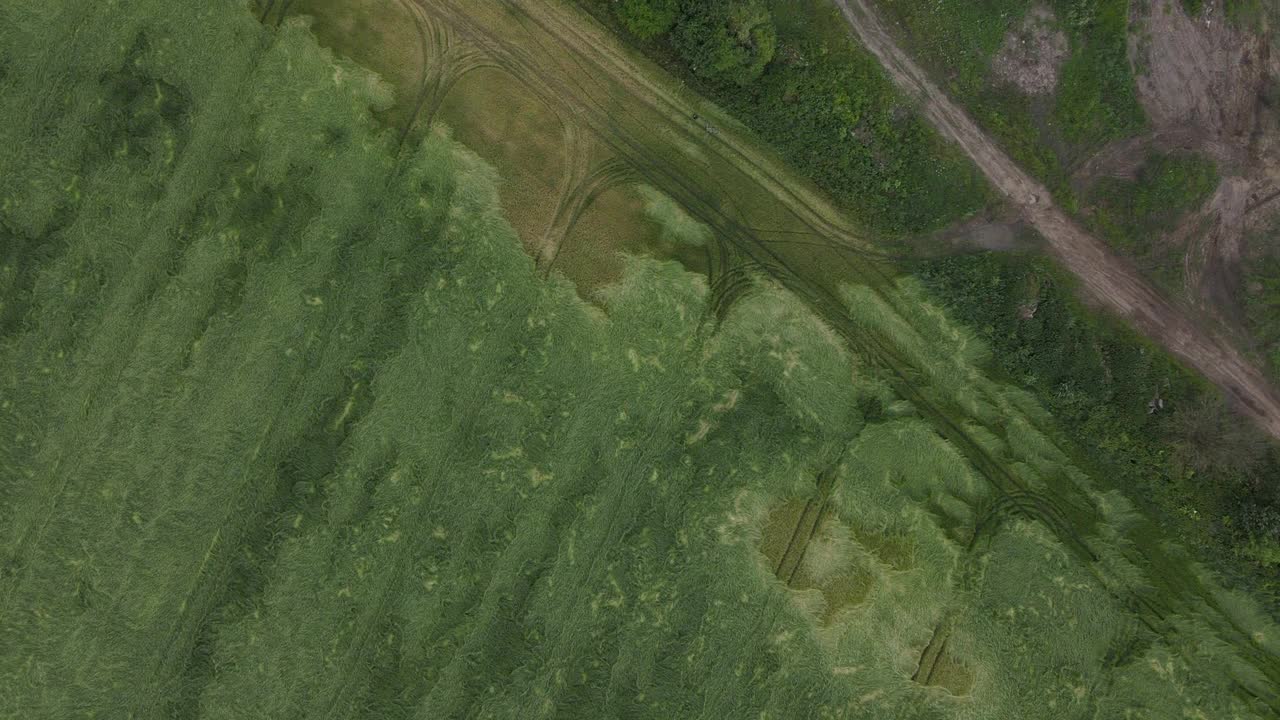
column 1105, row 276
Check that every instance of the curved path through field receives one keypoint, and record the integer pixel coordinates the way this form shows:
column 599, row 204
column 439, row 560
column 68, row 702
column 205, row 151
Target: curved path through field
column 1106, row 277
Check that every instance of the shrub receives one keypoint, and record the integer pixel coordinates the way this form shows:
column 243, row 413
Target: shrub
column 727, row 40
column 647, row 19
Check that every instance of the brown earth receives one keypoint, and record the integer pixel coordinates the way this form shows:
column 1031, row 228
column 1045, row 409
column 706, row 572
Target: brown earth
column 1032, row 53
column 1264, row 198
column 1124, row 158
column 1104, row 276
column 1214, row 239
column 1200, row 81
column 1200, row 72
column 980, row 233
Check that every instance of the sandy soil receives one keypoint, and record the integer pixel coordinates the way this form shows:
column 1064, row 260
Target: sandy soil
column 1104, row 276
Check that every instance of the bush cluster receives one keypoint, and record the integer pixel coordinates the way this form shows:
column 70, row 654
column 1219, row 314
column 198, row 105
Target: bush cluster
column 818, row 97
column 729, row 40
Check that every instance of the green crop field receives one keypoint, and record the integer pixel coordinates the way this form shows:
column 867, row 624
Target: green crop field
column 291, row 426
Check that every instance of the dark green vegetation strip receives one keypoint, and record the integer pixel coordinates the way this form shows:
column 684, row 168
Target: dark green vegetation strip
column 1186, row 459
column 789, row 72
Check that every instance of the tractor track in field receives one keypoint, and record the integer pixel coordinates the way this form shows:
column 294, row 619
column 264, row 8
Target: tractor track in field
column 709, row 212
column 582, row 185
column 742, row 242
column 732, row 278
column 932, row 653
column 1029, row 504
column 608, row 122
column 807, row 525
column 1104, row 275
column 443, row 62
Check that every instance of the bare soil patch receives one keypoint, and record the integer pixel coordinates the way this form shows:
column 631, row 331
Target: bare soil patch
column 1001, row 234
column 1264, row 198
column 1201, row 81
column 1124, row 158
column 1200, row 72
column 1214, row 241
column 1033, row 53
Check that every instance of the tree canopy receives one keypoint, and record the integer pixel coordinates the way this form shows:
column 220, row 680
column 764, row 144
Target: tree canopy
column 729, row 40
column 647, row 19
